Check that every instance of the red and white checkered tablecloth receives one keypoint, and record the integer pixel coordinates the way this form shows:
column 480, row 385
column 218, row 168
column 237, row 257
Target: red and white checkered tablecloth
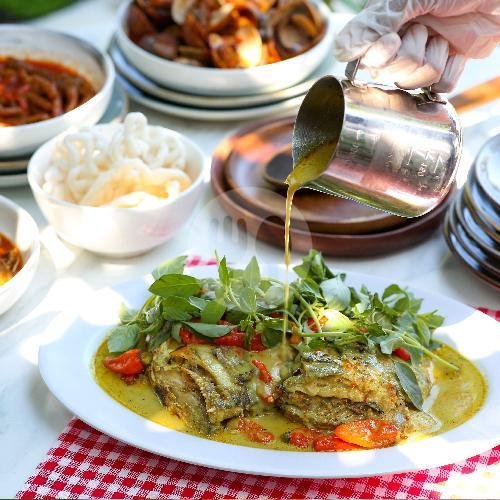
column 84, row 463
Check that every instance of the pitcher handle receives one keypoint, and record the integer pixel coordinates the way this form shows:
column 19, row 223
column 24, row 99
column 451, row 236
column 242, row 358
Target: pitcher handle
column 351, row 69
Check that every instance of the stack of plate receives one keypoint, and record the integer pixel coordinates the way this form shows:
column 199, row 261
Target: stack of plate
column 13, row 170
column 472, row 226
column 169, row 100
column 248, row 170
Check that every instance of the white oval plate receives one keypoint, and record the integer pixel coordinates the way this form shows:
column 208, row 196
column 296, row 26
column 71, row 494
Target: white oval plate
column 66, row 366
column 275, row 108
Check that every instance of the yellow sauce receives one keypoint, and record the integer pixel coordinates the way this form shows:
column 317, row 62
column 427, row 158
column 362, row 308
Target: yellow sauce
column 460, row 395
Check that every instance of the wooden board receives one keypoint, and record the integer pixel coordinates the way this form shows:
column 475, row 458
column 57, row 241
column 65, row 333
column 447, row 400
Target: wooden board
column 244, row 157
column 271, row 230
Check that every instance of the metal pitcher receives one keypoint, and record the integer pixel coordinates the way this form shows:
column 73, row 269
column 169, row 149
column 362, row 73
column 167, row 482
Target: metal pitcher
column 391, row 149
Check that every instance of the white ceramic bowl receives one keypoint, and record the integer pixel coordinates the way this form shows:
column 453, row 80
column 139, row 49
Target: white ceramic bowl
column 20, row 228
column 216, row 81
column 36, row 43
column 116, row 232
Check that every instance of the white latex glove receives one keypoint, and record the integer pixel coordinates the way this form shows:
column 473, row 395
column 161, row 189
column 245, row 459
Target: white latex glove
column 419, row 43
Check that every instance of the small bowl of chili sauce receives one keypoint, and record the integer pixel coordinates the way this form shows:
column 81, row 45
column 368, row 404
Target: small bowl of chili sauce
column 49, row 82
column 19, row 252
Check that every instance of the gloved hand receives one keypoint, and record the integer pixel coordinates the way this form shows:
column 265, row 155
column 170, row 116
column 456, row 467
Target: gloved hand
column 419, row 43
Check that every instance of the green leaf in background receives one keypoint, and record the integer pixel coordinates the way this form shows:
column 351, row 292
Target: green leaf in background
column 208, row 330
column 122, row 338
column 251, row 274
column 175, row 284
column 336, row 293
column 409, row 383
column 175, row 265
column 126, row 314
column 212, row 312
column 177, row 308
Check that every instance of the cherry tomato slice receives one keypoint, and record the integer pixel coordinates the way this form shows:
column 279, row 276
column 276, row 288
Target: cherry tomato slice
column 128, row 363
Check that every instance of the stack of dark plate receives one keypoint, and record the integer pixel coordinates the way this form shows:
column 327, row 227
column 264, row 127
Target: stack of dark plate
column 472, row 225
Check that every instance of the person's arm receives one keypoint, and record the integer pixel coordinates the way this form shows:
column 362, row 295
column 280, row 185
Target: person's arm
column 420, row 43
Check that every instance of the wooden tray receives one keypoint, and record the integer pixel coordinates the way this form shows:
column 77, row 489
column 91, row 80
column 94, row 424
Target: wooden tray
column 244, row 157
column 271, row 229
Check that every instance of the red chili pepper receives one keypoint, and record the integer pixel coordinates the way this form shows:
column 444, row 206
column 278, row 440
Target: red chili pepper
column 188, row 337
column 128, row 363
column 233, row 338
column 254, row 431
column 402, row 353
column 256, row 343
column 312, row 324
column 264, row 374
column 303, row 437
column 329, row 442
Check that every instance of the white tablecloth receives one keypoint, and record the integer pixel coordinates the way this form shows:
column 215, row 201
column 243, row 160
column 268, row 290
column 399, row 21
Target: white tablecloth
column 30, row 418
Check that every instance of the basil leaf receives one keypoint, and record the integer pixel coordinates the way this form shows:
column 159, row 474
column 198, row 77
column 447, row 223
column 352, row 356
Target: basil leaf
column 274, row 296
column 392, row 293
column 212, row 312
column 390, row 342
column 175, row 265
column 126, row 314
column 423, row 332
column 235, row 316
column 224, row 273
column 409, row 383
column 198, row 302
column 432, row 320
column 208, row 330
column 175, row 284
column 251, row 274
column 309, row 289
column 313, row 267
column 175, row 332
column 159, row 337
column 336, row 321
column 271, row 337
column 247, row 301
column 123, row 337
column 336, row 293
column 177, row 308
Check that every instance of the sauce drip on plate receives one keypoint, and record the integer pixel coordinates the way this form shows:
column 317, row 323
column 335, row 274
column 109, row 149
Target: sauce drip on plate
column 305, row 170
